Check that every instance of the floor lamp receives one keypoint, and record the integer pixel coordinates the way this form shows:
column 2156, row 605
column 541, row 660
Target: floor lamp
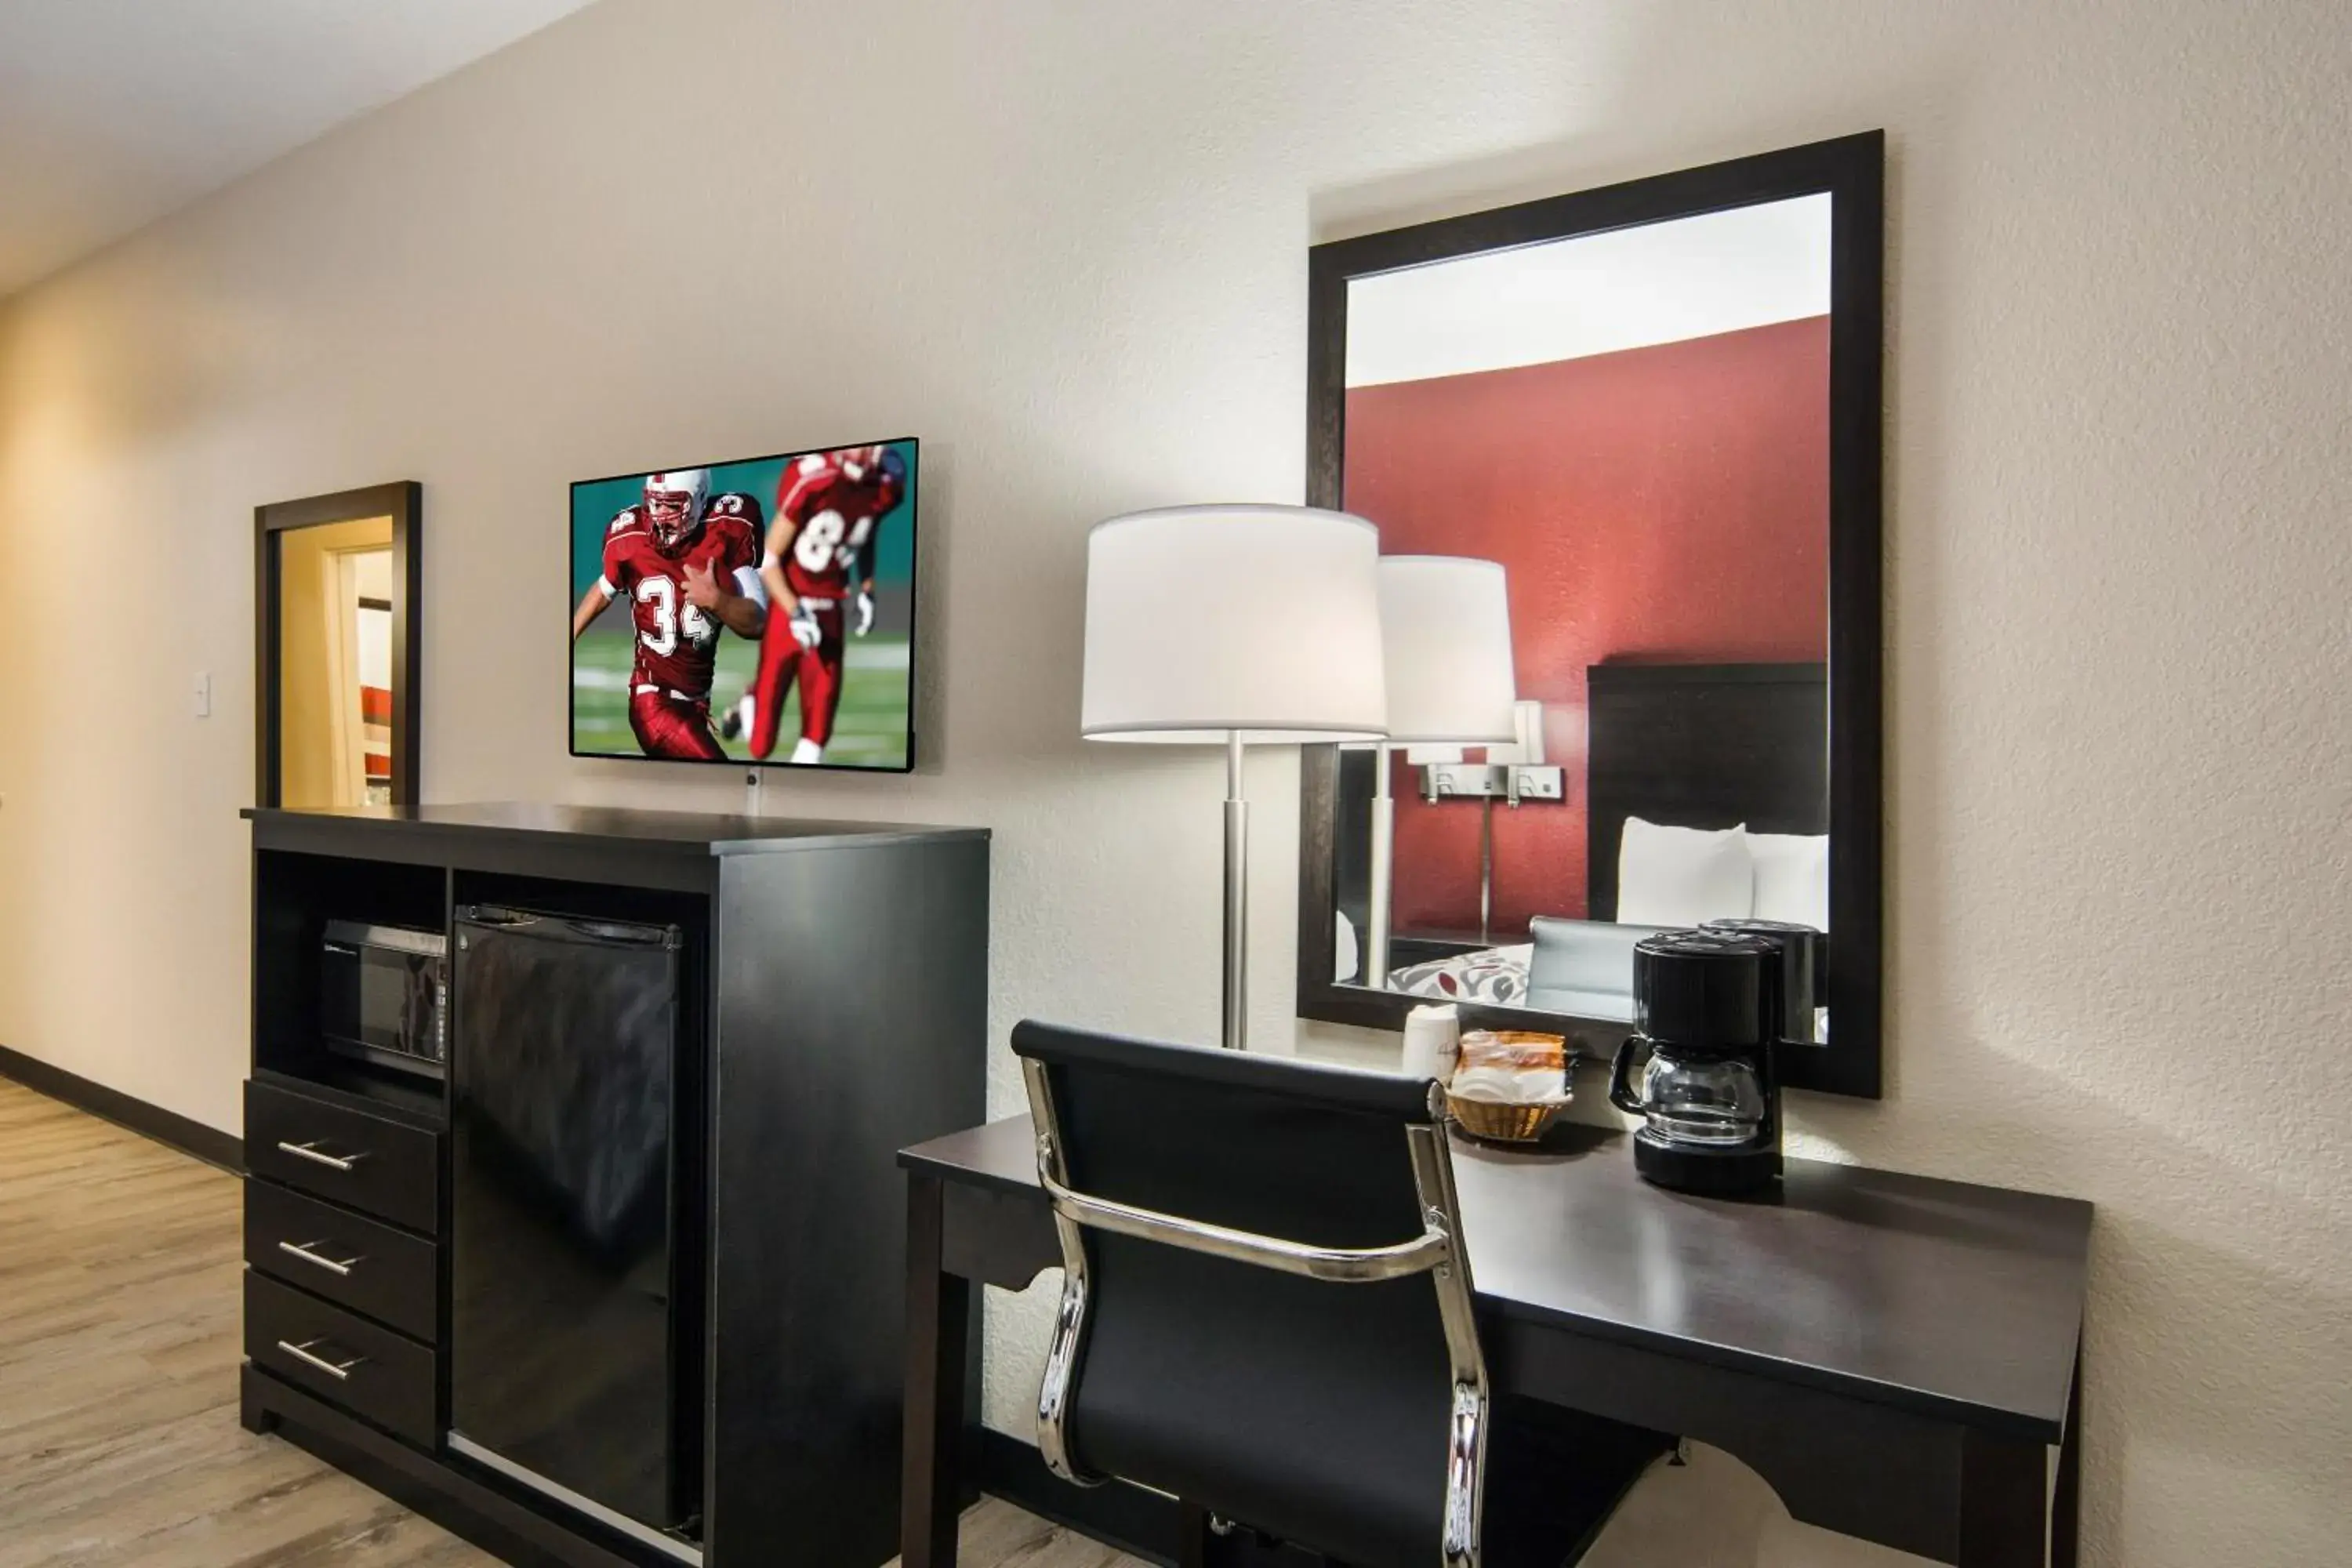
column 1234, row 626
column 1445, row 633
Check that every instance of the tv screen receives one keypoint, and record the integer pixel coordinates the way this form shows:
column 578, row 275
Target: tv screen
column 760, row 611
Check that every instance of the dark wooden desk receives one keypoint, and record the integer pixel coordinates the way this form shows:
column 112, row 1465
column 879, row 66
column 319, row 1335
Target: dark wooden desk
column 1896, row 1355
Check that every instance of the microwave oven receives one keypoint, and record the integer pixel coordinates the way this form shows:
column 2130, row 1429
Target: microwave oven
column 383, row 995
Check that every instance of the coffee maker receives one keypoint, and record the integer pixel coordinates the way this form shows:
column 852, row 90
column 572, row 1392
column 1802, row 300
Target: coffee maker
column 1708, row 1010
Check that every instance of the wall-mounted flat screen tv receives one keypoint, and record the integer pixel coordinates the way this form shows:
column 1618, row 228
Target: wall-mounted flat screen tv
column 760, row 611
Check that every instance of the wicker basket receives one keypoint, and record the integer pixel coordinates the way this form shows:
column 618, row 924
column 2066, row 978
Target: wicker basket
column 1503, row 1123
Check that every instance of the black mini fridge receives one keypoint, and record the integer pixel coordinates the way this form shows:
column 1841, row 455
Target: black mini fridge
column 574, row 1311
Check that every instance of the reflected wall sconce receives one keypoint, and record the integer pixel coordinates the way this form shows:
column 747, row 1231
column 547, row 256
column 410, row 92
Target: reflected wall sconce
column 1516, row 774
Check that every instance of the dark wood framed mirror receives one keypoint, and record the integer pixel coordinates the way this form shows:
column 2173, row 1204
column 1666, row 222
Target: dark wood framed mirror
column 337, row 582
column 1658, row 406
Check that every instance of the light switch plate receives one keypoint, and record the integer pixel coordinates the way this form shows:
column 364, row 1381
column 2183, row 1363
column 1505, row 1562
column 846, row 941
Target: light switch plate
column 203, row 694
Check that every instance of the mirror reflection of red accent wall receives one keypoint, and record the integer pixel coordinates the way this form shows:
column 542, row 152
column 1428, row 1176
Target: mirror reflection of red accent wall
column 1667, row 504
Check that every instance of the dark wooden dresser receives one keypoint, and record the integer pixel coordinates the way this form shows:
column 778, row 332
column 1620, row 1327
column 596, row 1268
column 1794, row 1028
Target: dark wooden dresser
column 832, row 1007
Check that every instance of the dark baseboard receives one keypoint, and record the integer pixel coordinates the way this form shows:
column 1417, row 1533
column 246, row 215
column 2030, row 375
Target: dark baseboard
column 209, row 1144
column 485, row 1513
column 1139, row 1523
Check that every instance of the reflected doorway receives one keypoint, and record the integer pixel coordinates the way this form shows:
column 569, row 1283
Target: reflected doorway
column 337, row 677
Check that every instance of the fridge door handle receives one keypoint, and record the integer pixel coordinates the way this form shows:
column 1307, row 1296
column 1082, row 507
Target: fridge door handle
column 492, row 919
column 608, row 934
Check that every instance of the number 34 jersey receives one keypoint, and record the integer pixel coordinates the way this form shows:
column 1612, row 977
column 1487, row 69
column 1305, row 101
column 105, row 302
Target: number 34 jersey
column 677, row 642
column 834, row 517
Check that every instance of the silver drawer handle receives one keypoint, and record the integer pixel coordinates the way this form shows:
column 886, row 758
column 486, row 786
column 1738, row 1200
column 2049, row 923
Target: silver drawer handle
column 301, row 1249
column 311, row 1152
column 340, row 1370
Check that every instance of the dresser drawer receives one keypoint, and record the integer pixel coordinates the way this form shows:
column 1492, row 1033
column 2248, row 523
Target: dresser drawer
column 372, row 1162
column 364, row 1367
column 363, row 1264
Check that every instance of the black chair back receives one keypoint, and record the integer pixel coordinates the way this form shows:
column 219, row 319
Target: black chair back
column 1263, row 1309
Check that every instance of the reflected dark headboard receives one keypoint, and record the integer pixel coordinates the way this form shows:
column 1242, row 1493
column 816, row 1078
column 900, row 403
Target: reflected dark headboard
column 1701, row 745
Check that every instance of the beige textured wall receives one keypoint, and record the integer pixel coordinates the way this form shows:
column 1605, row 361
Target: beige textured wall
column 1064, row 242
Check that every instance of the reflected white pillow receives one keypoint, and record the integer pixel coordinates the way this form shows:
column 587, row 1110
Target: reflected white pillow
column 1683, row 875
column 1792, row 877
column 1346, row 959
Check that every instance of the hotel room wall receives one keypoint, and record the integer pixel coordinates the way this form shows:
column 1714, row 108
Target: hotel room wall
column 1668, row 504
column 1066, row 244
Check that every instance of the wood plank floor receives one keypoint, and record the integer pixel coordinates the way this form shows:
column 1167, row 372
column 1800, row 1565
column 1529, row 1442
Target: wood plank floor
column 119, row 1351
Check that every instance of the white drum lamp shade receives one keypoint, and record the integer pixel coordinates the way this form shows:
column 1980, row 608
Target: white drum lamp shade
column 1446, row 624
column 1256, row 622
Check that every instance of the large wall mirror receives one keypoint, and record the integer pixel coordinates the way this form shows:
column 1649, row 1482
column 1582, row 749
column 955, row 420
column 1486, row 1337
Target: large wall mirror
column 336, row 581
column 1656, row 407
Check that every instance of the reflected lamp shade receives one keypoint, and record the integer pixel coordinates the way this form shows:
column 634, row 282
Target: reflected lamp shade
column 1445, row 626
column 1260, row 622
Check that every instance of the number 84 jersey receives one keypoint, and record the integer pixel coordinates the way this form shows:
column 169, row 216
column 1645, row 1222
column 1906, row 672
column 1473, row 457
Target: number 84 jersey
column 676, row 643
column 833, row 506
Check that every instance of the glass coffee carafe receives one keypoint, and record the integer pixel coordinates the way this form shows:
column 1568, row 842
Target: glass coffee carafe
column 1708, row 1101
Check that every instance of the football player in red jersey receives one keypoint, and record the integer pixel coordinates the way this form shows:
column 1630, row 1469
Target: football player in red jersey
column 686, row 559
column 820, row 546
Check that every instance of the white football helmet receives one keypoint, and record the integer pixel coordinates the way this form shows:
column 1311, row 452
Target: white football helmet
column 674, row 502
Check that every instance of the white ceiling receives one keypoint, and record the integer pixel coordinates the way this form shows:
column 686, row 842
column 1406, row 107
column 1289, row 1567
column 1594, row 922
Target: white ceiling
column 114, row 112
column 1598, row 293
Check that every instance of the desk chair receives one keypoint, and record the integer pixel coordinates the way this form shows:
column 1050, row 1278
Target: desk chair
column 1266, row 1314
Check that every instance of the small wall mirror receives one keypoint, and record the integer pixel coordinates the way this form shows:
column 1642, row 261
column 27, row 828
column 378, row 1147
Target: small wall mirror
column 1656, row 406
column 335, row 670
